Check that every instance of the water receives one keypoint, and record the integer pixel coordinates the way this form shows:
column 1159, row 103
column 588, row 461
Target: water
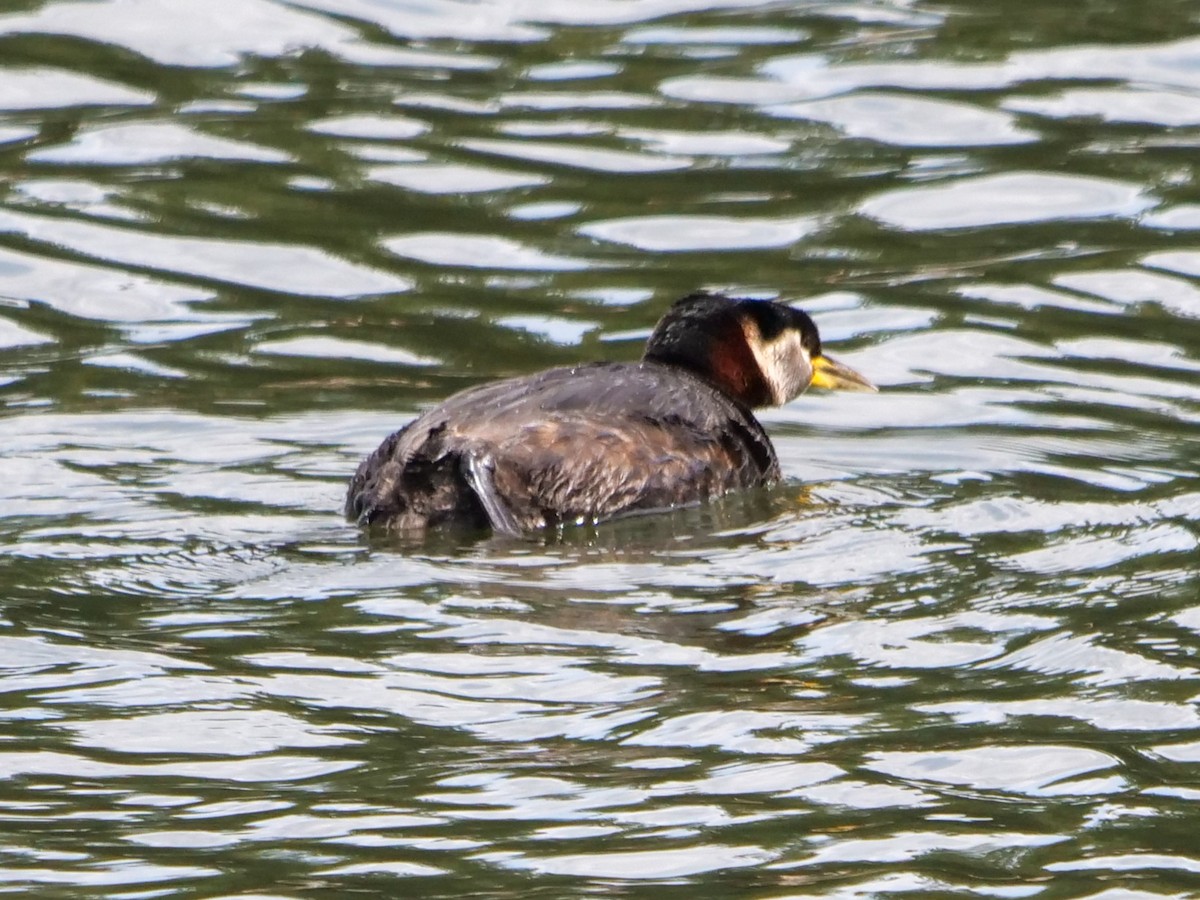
column 953, row 654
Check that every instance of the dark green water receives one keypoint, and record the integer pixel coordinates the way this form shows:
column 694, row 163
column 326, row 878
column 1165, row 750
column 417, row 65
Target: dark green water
column 955, row 654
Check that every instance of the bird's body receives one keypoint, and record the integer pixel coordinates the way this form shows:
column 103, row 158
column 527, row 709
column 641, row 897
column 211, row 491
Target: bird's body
column 566, row 445
column 590, row 442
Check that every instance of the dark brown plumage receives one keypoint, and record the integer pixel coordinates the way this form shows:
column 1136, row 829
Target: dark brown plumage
column 585, row 443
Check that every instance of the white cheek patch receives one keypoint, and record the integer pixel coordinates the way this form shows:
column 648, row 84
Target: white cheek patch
column 783, row 362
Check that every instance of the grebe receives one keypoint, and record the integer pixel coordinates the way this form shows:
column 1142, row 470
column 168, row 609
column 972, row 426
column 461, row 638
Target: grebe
column 585, row 443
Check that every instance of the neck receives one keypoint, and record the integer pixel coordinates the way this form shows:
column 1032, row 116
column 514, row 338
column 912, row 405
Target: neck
column 718, row 352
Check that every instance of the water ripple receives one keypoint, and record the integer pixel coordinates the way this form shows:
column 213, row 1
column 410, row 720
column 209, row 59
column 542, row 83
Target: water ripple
column 1006, row 199
column 1043, row 771
column 578, row 156
column 216, row 35
column 46, row 88
column 452, row 178
column 478, row 251
column 700, row 233
column 141, row 145
column 910, row 121
column 279, row 267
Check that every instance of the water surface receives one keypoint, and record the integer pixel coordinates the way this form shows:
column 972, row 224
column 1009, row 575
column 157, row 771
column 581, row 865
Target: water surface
column 953, row 654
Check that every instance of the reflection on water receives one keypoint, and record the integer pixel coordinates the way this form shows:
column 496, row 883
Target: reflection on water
column 953, row 653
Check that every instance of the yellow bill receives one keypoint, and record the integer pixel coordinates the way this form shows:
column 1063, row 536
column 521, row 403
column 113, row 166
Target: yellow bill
column 832, row 375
